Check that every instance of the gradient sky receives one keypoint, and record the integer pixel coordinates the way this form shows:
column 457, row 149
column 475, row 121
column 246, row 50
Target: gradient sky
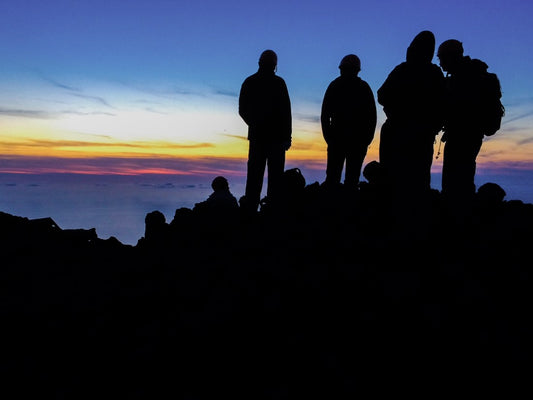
column 152, row 86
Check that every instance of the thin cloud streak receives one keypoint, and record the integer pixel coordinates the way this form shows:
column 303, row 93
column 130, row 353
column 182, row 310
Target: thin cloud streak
column 125, row 166
column 76, row 91
column 96, row 99
column 307, row 117
column 82, row 114
column 240, row 137
column 43, row 143
column 60, row 85
column 517, row 118
column 42, row 114
column 228, row 93
column 25, row 113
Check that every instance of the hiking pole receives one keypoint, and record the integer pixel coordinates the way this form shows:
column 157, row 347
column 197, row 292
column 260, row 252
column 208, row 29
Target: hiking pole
column 438, row 150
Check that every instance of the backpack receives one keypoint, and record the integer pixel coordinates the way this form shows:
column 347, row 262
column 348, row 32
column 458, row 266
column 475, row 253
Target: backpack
column 293, row 180
column 492, row 107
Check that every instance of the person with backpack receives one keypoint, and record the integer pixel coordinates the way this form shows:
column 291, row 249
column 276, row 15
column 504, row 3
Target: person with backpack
column 412, row 97
column 348, row 119
column 473, row 110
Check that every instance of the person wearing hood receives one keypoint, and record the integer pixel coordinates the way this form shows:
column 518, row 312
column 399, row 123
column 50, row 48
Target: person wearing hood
column 265, row 106
column 412, row 97
column 463, row 126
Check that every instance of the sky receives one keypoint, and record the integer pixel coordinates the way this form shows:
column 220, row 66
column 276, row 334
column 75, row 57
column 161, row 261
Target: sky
column 132, row 87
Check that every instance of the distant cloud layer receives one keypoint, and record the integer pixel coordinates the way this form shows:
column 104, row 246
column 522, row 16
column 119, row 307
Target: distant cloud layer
column 125, row 166
column 24, row 113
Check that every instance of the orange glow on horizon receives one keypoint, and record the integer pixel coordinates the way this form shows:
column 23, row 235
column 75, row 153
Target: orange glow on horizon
column 104, row 154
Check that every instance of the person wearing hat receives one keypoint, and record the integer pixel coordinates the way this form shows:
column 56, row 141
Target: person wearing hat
column 348, row 118
column 264, row 105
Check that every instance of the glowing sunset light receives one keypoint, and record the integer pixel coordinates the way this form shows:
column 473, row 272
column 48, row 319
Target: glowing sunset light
column 79, row 95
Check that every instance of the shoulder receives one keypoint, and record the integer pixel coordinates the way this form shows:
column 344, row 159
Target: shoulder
column 397, row 73
column 247, row 83
column 335, row 82
column 400, row 68
column 473, row 68
column 478, row 65
column 250, row 78
column 364, row 84
column 279, row 79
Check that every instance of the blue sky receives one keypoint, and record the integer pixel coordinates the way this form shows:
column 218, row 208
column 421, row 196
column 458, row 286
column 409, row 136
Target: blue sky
column 123, row 80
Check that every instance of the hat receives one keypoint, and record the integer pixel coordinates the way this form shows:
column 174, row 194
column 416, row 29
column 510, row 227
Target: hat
column 268, row 58
column 451, row 46
column 351, row 61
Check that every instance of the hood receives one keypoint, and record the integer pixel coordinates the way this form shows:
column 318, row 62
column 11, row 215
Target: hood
column 478, row 65
column 422, row 48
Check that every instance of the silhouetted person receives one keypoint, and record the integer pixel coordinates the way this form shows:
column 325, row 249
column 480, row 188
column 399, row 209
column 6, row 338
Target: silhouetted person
column 156, row 227
column 373, row 190
column 348, row 120
column 490, row 193
column 221, row 200
column 412, row 97
column 373, row 173
column 463, row 127
column 265, row 106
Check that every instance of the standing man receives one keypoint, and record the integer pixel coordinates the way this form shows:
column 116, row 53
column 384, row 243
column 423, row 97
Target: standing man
column 348, row 119
column 463, row 126
column 265, row 106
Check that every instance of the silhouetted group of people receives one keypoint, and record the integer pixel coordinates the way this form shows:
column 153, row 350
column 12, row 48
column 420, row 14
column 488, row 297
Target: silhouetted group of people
column 419, row 101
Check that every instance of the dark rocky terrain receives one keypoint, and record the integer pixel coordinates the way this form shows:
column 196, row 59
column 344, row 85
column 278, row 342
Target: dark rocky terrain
column 324, row 296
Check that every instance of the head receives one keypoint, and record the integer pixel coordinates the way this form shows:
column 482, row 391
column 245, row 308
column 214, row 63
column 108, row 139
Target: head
column 350, row 64
column 268, row 60
column 373, row 172
column 220, row 183
column 450, row 54
column 422, row 48
column 490, row 193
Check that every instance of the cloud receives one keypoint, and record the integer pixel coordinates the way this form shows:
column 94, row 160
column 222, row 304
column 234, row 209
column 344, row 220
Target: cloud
column 54, row 143
column 75, row 91
column 164, row 92
column 240, row 137
column 307, row 117
column 13, row 112
column 527, row 140
column 209, row 166
column 60, row 85
column 81, row 113
column 229, row 93
column 151, row 110
column 97, row 99
column 42, row 114
column 517, row 117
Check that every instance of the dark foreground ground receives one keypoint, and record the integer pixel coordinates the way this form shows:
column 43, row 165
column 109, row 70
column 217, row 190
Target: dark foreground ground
column 325, row 297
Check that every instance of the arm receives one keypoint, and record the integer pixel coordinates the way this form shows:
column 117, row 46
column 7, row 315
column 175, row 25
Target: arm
column 287, row 116
column 325, row 115
column 370, row 113
column 244, row 104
